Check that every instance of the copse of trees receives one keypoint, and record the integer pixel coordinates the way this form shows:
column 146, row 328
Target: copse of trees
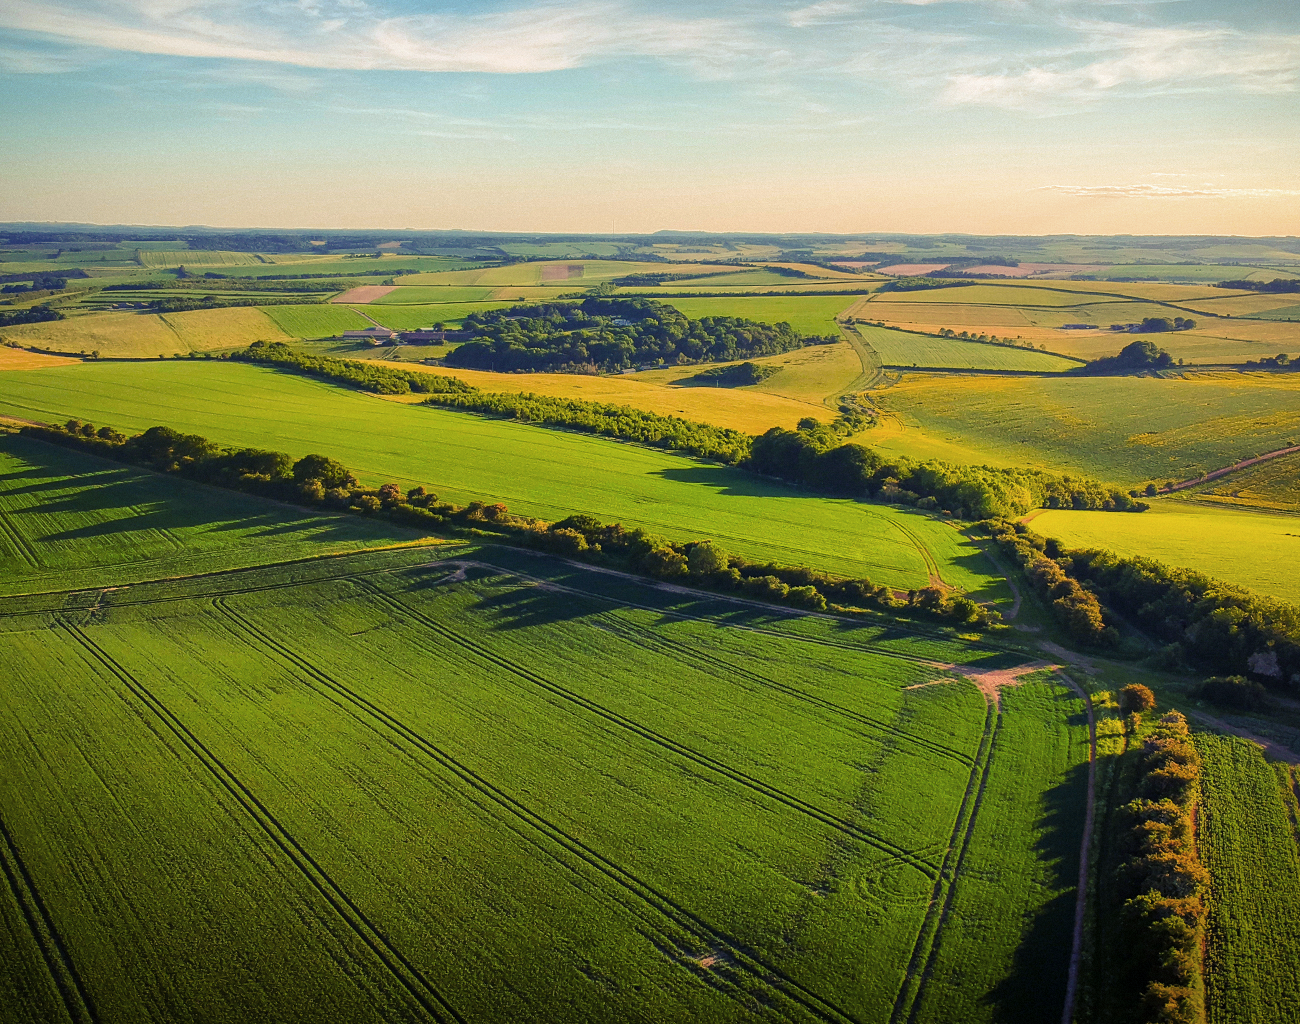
column 1137, row 357
column 31, row 315
column 1278, row 284
column 320, row 480
column 815, row 456
column 602, row 335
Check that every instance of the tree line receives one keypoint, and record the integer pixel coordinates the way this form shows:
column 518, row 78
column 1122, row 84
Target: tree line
column 31, row 315
column 603, row 335
column 317, row 479
column 1278, row 284
column 1204, row 622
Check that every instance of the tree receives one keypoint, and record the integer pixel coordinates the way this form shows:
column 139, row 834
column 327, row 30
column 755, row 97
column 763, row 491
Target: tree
column 320, row 467
column 704, row 559
column 1136, row 697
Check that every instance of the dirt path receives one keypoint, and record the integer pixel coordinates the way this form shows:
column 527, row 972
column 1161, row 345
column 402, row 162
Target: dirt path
column 365, row 293
column 1081, row 900
column 1274, row 750
column 1215, row 474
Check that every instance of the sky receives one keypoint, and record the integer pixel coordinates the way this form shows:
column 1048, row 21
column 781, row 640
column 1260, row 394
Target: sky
column 846, row 116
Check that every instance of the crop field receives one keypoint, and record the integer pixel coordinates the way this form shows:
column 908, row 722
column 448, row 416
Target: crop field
column 148, row 335
column 812, row 314
column 321, row 320
column 746, row 409
column 407, row 296
column 1127, row 429
column 163, row 259
column 1269, row 485
column 1290, row 313
column 1240, row 303
column 899, row 348
column 1243, row 546
column 649, row 804
column 1246, row 841
column 409, row 318
column 71, row 520
column 536, row 471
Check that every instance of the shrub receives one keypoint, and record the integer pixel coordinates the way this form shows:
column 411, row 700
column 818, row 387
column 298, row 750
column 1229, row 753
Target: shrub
column 320, row 467
column 1136, row 697
column 1236, row 692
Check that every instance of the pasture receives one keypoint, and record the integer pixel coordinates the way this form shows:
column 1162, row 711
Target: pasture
column 903, row 349
column 1246, row 547
column 385, row 788
column 1271, row 485
column 1127, row 429
column 409, row 318
column 811, row 314
column 1247, row 840
column 149, row 335
column 321, row 320
column 535, row 471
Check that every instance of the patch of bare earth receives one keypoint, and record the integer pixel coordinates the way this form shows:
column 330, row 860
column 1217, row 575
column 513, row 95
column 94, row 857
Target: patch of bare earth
column 561, row 271
column 989, row 682
column 912, row 269
column 365, row 293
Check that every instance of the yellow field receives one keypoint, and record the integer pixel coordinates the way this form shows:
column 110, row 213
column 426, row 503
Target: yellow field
column 740, row 409
column 958, row 316
column 1157, row 290
column 19, row 359
column 1274, row 484
column 148, row 335
column 994, row 295
column 1230, row 304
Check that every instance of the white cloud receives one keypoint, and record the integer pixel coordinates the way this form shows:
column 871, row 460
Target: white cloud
column 1140, row 60
column 1145, row 191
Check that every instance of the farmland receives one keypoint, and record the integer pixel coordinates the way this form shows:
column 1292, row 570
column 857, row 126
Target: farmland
column 1243, row 546
column 1253, row 968
column 535, row 471
column 1270, row 485
column 316, row 321
column 901, row 349
column 1127, row 429
column 148, row 335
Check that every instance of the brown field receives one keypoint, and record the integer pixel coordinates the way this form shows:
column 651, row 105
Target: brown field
column 911, row 269
column 20, row 359
column 365, row 293
column 561, row 271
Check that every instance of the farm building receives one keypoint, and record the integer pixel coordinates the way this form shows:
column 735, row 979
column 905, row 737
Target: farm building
column 374, row 335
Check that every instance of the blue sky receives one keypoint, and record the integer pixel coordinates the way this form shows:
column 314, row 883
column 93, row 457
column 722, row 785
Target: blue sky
column 1018, row 116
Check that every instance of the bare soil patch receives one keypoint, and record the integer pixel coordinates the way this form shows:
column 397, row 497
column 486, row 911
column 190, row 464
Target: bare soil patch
column 21, row 359
column 912, row 269
column 561, row 271
column 365, row 293
column 989, row 682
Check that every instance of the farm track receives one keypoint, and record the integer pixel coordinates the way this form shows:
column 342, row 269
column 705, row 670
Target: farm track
column 1081, row 898
column 415, row 984
column 54, row 951
column 652, row 641
column 735, row 775
column 925, row 952
column 644, row 895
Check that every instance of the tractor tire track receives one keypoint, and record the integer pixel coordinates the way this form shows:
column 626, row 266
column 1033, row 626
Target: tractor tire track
column 652, row 641
column 22, row 547
column 406, row 974
column 54, row 951
column 920, row 966
column 735, row 775
column 643, row 892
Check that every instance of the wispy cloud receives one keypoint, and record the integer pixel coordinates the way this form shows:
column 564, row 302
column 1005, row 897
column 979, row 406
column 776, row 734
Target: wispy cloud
column 1116, row 58
column 1146, row 191
column 350, row 34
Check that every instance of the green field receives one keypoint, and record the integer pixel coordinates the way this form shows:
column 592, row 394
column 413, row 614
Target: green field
column 408, row 296
column 534, row 470
column 70, row 520
column 409, row 318
column 1247, row 841
column 812, row 314
column 1245, row 547
column 378, row 785
column 322, row 320
column 149, row 335
column 1126, row 429
column 163, row 259
column 902, row 349
column 1273, row 485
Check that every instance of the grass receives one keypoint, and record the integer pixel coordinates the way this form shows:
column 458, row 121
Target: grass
column 148, row 335
column 370, row 783
column 1246, row 841
column 1271, row 485
column 409, row 318
column 316, row 321
column 407, row 296
column 536, row 471
column 70, row 520
column 811, row 314
column 1125, row 429
column 900, row 348
column 1248, row 548
column 188, row 258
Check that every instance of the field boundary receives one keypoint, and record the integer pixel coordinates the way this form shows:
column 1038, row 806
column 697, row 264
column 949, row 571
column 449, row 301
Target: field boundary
column 1244, row 464
column 76, row 1000
column 403, row 971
